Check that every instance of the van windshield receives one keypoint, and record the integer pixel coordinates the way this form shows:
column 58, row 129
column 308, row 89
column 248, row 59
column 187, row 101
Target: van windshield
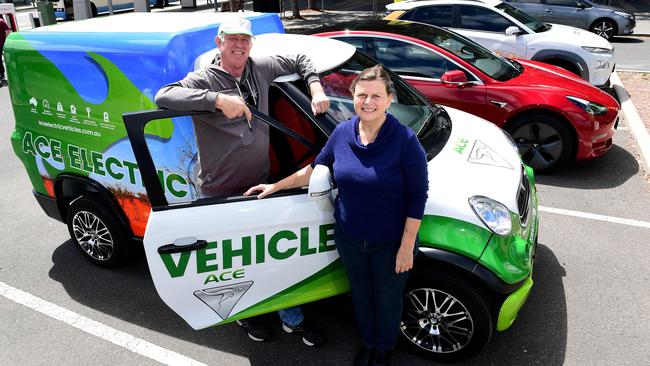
column 430, row 123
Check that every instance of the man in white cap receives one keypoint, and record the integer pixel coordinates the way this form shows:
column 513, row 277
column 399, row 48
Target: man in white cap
column 227, row 87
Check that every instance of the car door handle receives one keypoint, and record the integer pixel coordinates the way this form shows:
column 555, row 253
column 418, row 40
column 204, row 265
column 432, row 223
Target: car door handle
column 548, row 10
column 183, row 245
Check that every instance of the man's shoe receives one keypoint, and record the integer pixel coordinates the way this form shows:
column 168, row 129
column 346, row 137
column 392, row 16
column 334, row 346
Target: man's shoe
column 382, row 358
column 364, row 357
column 310, row 337
column 256, row 330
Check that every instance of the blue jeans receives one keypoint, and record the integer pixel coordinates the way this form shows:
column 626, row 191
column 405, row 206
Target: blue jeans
column 292, row 316
column 377, row 291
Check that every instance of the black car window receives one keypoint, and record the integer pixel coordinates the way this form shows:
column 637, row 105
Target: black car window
column 436, row 15
column 411, row 60
column 524, row 1
column 480, row 18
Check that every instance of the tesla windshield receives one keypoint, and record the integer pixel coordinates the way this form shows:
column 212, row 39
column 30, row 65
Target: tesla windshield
column 480, row 57
column 529, row 21
column 407, row 106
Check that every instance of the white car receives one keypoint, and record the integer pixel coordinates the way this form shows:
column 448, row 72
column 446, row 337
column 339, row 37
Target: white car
column 512, row 33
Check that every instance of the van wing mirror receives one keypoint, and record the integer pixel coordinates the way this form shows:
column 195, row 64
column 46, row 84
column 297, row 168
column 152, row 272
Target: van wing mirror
column 455, row 79
column 513, row 31
column 320, row 187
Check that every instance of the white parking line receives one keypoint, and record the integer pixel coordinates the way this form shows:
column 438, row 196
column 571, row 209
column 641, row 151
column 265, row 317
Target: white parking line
column 590, row 216
column 125, row 340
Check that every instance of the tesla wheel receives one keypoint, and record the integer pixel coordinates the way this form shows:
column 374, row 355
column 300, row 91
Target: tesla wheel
column 544, row 141
column 93, row 10
column 445, row 319
column 97, row 233
column 604, row 28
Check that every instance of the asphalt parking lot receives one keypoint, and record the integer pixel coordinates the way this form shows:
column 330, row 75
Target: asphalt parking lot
column 588, row 305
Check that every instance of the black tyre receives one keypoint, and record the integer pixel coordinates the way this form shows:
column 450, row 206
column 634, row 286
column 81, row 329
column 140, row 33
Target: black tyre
column 97, row 232
column 93, row 10
column 444, row 318
column 605, row 28
column 544, row 141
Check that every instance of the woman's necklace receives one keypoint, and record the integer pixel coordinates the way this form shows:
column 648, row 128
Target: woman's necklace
column 368, row 134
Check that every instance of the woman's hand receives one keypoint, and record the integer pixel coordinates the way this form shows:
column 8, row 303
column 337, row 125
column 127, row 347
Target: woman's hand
column 404, row 260
column 265, row 189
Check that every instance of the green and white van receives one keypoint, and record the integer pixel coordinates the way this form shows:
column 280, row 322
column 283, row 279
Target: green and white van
column 216, row 260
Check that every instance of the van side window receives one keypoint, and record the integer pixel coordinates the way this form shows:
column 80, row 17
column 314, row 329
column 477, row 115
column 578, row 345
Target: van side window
column 288, row 155
column 176, row 158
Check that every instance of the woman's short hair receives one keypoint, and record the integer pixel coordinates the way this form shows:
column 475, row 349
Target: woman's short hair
column 377, row 72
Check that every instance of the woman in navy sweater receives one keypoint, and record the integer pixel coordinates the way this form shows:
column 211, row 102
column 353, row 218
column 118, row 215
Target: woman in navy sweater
column 381, row 172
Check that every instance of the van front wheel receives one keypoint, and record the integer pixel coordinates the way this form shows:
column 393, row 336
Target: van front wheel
column 444, row 319
column 99, row 236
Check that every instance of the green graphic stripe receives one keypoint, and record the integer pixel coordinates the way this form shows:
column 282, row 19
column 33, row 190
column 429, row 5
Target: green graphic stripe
column 329, row 281
column 453, row 235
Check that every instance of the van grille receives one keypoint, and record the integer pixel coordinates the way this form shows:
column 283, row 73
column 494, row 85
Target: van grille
column 523, row 197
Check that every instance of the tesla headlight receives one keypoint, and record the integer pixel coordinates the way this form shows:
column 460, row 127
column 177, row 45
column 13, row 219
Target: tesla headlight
column 598, row 49
column 494, row 215
column 587, row 106
column 625, row 15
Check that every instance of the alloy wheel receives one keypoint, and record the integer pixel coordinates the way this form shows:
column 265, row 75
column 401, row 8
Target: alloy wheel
column 436, row 321
column 604, row 29
column 539, row 144
column 92, row 235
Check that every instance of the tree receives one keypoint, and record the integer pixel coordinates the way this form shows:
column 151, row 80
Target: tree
column 296, row 9
column 312, row 5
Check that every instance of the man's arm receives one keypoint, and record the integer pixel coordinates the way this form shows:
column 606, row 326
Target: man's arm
column 320, row 103
column 193, row 94
column 303, row 66
column 190, row 94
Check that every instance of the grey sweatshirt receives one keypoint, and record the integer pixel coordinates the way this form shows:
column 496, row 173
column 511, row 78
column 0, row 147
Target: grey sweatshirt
column 231, row 157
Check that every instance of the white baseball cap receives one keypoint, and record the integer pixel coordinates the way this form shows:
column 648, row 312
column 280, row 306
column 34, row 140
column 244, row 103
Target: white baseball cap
column 238, row 25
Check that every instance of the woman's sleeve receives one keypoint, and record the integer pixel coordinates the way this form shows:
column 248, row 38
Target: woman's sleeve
column 416, row 178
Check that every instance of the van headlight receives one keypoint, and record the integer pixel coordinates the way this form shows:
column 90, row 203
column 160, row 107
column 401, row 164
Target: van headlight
column 598, row 49
column 589, row 107
column 494, row 215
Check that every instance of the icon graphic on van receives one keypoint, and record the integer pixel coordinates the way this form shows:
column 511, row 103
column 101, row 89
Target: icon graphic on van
column 73, row 109
column 59, row 107
column 106, row 117
column 224, row 298
column 46, row 103
column 33, row 101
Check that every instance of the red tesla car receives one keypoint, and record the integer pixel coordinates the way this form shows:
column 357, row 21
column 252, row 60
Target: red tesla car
column 553, row 116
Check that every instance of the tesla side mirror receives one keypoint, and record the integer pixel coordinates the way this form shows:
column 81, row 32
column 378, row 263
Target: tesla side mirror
column 320, row 187
column 454, row 79
column 513, row 31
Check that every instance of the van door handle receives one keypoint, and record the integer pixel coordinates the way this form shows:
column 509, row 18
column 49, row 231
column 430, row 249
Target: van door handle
column 183, row 245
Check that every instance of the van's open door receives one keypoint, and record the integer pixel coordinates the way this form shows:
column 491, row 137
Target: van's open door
column 221, row 259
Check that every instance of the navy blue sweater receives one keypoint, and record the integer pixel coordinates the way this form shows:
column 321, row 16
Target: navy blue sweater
column 379, row 184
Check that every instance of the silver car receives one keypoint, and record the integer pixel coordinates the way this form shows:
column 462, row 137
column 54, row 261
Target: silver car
column 606, row 21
